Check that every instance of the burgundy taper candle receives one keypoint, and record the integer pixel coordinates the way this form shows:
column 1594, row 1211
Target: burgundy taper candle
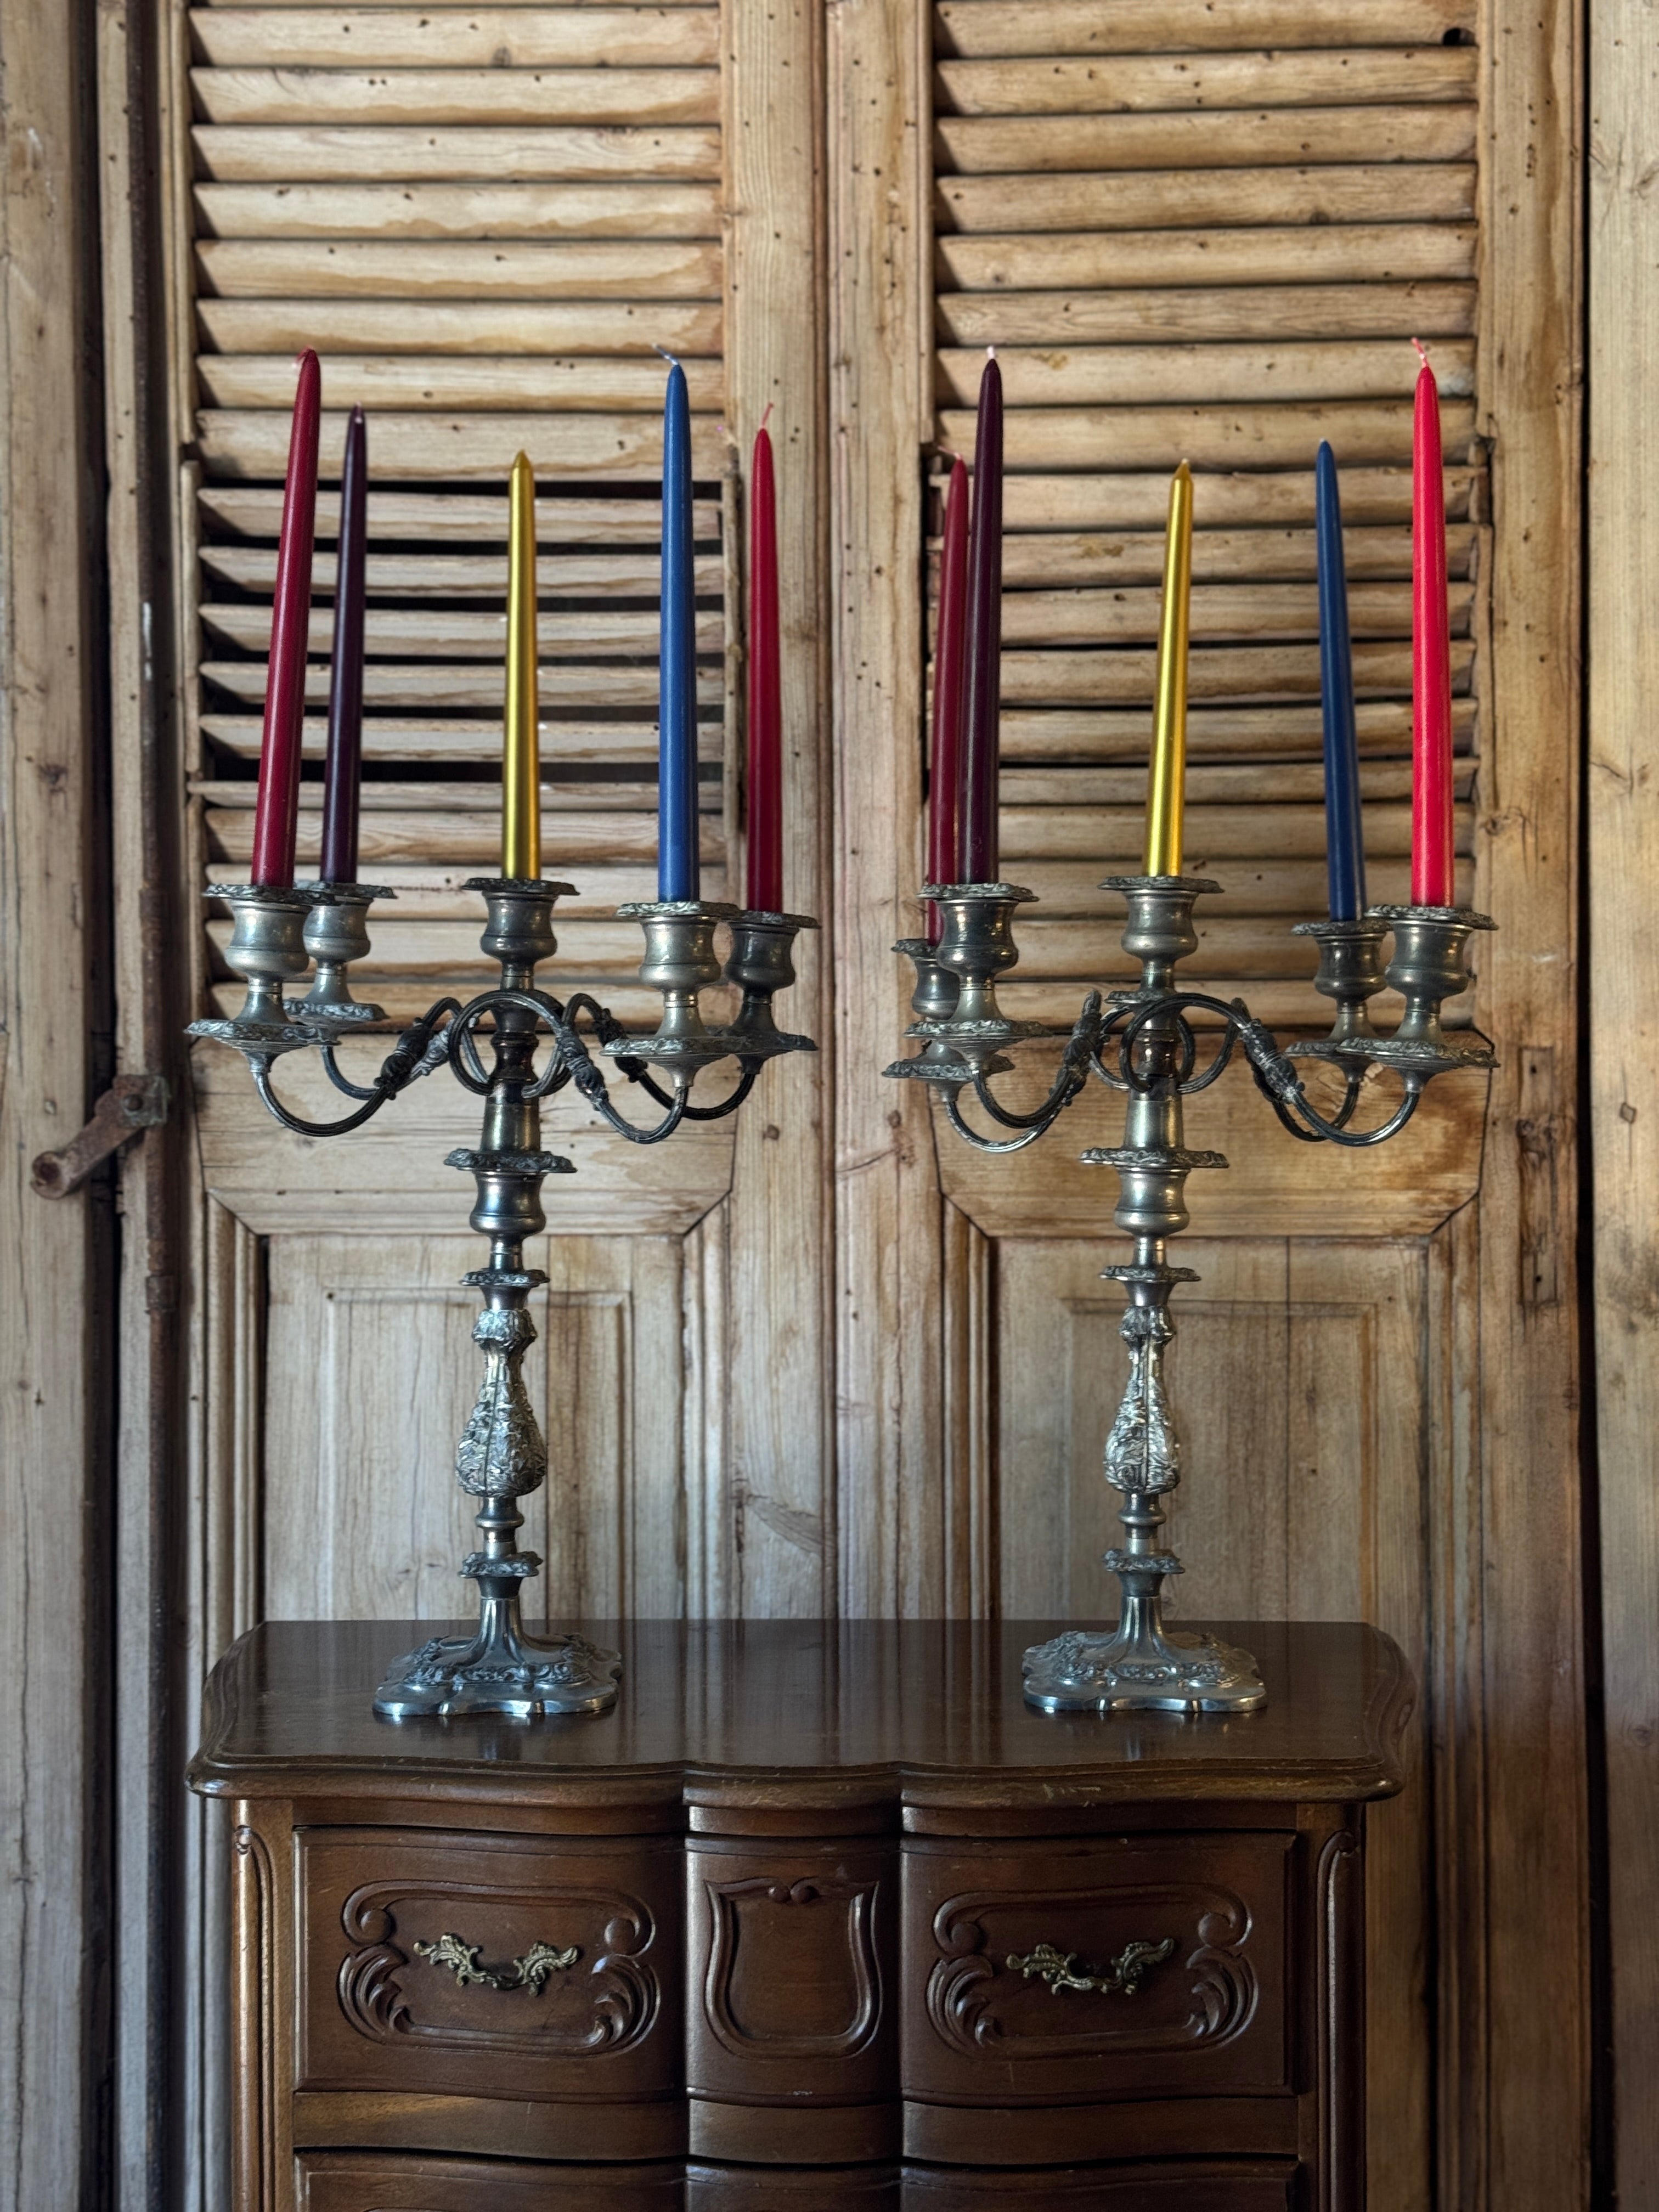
column 277, row 811
column 1433, row 869
column 342, row 771
column 765, row 688
column 945, row 776
column 977, row 857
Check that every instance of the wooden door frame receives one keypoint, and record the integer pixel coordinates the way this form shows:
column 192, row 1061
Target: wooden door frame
column 60, row 1934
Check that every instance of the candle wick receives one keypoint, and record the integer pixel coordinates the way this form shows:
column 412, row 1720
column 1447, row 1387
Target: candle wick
column 990, row 353
column 667, row 355
column 767, row 417
column 1422, row 351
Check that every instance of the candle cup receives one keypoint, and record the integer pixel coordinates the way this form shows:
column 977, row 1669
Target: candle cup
column 1430, row 965
column 935, row 1001
column 519, row 930
column 335, row 934
column 267, row 950
column 1159, row 930
column 1350, row 972
column 760, row 963
column 977, row 945
column 680, row 961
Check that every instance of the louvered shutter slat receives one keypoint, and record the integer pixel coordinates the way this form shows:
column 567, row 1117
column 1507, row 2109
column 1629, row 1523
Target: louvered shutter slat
column 1206, row 229
column 484, row 220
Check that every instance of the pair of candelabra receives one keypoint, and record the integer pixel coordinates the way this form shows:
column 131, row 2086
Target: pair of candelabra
column 1142, row 1042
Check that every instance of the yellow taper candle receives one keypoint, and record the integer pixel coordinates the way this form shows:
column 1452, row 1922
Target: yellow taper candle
column 521, row 768
column 1166, row 791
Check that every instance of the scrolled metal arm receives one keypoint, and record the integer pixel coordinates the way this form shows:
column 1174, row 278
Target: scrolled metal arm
column 423, row 1047
column 1075, row 1062
column 1278, row 1080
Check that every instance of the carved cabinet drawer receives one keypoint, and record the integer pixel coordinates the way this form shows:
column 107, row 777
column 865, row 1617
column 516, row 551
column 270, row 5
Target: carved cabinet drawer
column 1053, row 1973
column 790, row 2042
column 454, row 1964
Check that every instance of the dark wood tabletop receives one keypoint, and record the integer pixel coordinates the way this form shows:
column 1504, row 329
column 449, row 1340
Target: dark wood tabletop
column 758, row 1713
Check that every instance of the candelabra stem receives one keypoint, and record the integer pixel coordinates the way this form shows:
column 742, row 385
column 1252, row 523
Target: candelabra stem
column 1141, row 1662
column 502, row 1456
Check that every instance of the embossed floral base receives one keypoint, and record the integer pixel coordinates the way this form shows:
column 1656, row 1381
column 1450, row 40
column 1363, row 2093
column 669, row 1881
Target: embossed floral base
column 1102, row 1670
column 505, row 1672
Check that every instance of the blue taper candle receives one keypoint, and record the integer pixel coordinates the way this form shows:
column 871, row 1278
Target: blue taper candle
column 677, row 745
column 1345, row 842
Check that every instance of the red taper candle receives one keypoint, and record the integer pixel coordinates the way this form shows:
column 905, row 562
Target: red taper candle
column 276, row 820
column 343, row 771
column 945, row 772
column 977, row 857
column 765, row 687
column 1432, row 721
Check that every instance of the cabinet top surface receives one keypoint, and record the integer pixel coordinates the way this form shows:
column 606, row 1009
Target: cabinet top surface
column 769, row 1712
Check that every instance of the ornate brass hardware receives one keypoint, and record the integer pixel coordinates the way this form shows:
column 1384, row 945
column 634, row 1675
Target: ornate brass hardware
column 529, row 1972
column 1124, row 1975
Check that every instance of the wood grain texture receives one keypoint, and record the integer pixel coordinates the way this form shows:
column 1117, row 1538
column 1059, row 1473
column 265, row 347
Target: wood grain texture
column 54, row 1873
column 773, row 1369
column 887, row 1203
column 798, row 1717
column 1624, row 1033
column 1530, row 342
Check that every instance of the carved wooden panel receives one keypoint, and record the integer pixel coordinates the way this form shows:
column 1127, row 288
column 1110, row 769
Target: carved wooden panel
column 792, row 1959
column 371, row 1374
column 497, row 1966
column 1207, row 2017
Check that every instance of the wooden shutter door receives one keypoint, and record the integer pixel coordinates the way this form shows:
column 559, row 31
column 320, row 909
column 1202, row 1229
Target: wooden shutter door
column 484, row 220
column 1212, row 230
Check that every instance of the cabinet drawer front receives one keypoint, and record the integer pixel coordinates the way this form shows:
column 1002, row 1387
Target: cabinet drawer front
column 790, row 1970
column 1196, row 2186
column 450, row 1963
column 388, row 2181
column 1075, row 1972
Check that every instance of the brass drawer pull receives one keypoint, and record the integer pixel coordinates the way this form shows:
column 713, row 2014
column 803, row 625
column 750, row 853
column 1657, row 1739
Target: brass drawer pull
column 1123, row 1975
column 529, row 1972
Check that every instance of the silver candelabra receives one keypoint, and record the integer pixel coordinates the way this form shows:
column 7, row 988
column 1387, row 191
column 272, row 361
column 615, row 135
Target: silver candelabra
column 1141, row 1042
column 278, row 933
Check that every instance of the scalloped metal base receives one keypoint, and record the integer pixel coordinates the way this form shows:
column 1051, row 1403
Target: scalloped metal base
column 1102, row 1671
column 507, row 1672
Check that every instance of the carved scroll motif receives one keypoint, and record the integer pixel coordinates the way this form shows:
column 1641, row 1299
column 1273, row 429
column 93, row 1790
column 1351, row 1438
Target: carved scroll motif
column 623, row 1997
column 967, row 1987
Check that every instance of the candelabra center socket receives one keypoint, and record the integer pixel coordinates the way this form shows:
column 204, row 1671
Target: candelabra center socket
column 1159, row 930
column 519, row 930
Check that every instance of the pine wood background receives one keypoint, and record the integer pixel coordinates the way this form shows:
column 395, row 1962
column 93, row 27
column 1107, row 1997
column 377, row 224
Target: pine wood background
column 820, row 1360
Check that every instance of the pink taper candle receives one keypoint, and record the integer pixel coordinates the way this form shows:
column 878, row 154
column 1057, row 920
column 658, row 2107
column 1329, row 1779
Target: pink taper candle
column 276, row 820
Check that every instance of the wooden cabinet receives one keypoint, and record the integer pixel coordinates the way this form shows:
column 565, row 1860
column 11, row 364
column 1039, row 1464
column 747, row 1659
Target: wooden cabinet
column 821, row 1915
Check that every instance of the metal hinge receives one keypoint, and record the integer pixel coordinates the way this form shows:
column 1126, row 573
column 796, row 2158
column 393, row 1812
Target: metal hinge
column 132, row 1103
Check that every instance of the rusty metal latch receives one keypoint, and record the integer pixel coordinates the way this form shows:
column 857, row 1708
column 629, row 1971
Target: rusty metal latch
column 132, row 1103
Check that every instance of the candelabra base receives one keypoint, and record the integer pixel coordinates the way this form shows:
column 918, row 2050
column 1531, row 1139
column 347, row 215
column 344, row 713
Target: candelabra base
column 1113, row 1670
column 500, row 1669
